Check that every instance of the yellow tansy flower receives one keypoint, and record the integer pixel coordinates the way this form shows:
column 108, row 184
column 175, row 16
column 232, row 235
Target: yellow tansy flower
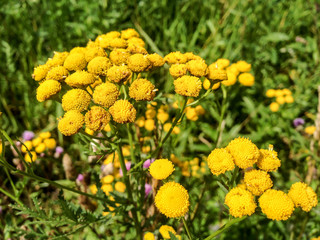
column 220, row 161
column 99, row 66
column 71, row 122
column 97, row 118
column 257, row 181
column 47, row 89
column 75, row 62
column 105, row 94
column 188, row 86
column 303, row 196
column 80, row 79
column 142, row 90
column 161, row 169
column 123, row 111
column 76, row 99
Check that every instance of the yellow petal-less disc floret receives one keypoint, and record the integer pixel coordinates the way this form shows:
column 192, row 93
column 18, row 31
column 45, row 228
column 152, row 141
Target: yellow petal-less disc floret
column 189, row 86
column 58, row 73
column 271, row 93
column 268, row 160
column 45, row 135
column 105, row 94
column 97, row 118
column 246, row 79
column 172, row 200
column 78, row 50
column 116, row 43
column 156, row 60
column 164, row 231
column 142, row 90
column 50, row 143
column 244, row 152
column 289, row 99
column 274, row 107
column 123, row 111
column 80, row 79
column 40, row 148
column 216, row 74
column 161, row 169
column 75, row 62
column 76, row 99
column 243, row 66
column 120, row 187
column 99, row 66
column 276, row 205
column 107, row 179
column 92, row 52
column 40, row 72
column 119, row 56
column 310, row 130
column 176, row 57
column 220, row 161
column 71, row 122
column 136, row 41
column 191, row 56
column 197, row 68
column 222, row 63
column 178, row 70
column 26, row 147
column 134, row 49
column 257, row 181
column 119, row 74
column 303, row 196
column 129, row 33
column 232, row 79
column 58, row 59
column 33, row 157
column 240, row 202
column 47, row 89
column 138, row 62
column 149, row 236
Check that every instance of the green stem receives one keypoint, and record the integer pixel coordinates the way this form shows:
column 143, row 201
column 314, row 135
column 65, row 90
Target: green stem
column 133, row 157
column 11, row 196
column 223, row 109
column 11, row 182
column 225, row 227
column 202, row 97
column 187, row 229
column 234, row 176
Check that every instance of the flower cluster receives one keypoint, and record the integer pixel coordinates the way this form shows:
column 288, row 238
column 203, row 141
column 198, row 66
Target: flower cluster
column 282, row 96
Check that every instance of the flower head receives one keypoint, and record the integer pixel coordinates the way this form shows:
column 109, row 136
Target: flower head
column 123, row 111
column 231, row 79
column 246, row 79
column 276, row 205
column 142, row 90
column 105, row 94
column 33, row 157
column 172, row 200
column 76, row 99
column 222, row 63
column 138, row 63
column 176, row 57
column 149, row 236
column 119, row 56
column 97, row 118
column 257, row 181
column 164, row 231
column 216, row 74
column 58, row 73
column 298, row 121
column 240, row 202
column 47, row 89
column 58, row 59
column 188, row 86
column 268, row 160
column 129, row 33
column 303, row 196
column 220, row 161
column 71, row 122
column 244, row 152
column 156, row 60
column 310, row 130
column 99, row 66
column 243, row 66
column 27, row 135
column 178, row 70
column 93, row 52
column 119, row 74
column 40, row 72
column 80, row 79
column 197, row 68
column 274, row 107
column 75, row 62
column 161, row 169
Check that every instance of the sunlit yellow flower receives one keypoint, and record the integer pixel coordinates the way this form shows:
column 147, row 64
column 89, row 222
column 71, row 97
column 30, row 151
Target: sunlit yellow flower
column 78, row 50
column 142, row 90
column 92, row 52
column 164, row 231
column 47, row 89
column 244, row 152
column 200, row 110
column 71, row 122
column 119, row 56
column 206, row 84
column 116, row 43
column 99, row 66
column 76, row 99
column 45, row 135
column 120, row 187
column 105, row 94
column 167, row 126
column 271, row 93
column 138, row 62
column 188, row 86
column 303, row 196
column 119, row 74
column 172, row 200
column 93, row 189
column 80, row 79
column 289, row 99
column 191, row 114
column 107, row 179
column 40, row 148
column 26, row 147
column 240, row 202
column 220, row 161
column 149, row 124
column 274, row 107
column 246, row 79
column 191, row 56
column 197, row 68
column 281, row 100
column 40, row 72
column 123, row 111
column 161, row 169
column 107, row 188
column 176, row 57
column 243, row 66
column 162, row 116
column 178, row 70
column 75, row 62
column 216, row 74
column 136, row 41
column 276, row 205
column 50, row 143
column 58, row 59
column 134, row 49
column 222, row 63
column 257, row 181
column 149, row 236
column 232, row 79
column 36, row 141
column 97, row 118
column 33, row 157
column 310, row 130
column 58, row 73
column 150, row 113
column 156, row 60
column 268, row 160
column 129, row 33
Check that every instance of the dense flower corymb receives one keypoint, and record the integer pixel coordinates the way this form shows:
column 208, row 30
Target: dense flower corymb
column 161, row 169
column 220, row 161
column 172, row 200
column 303, row 196
column 276, row 205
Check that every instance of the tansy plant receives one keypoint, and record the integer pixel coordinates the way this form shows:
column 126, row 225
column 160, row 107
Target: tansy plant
column 113, row 103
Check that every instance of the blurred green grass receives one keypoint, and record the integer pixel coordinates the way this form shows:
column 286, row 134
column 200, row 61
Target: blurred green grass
column 280, row 38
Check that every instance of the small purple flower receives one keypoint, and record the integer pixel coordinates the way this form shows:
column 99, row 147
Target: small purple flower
column 147, row 189
column 298, row 121
column 128, row 166
column 59, row 149
column 80, row 178
column 147, row 163
column 27, row 135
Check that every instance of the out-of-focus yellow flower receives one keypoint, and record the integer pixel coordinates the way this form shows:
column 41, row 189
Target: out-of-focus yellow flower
column 232, row 79
column 107, row 179
column 240, row 202
column 191, row 114
column 200, row 110
column 105, row 94
column 123, row 111
column 216, row 74
column 289, row 99
column 50, row 143
column 75, row 62
column 107, row 188
column 142, row 90
column 33, row 157
column 303, row 196
column 40, row 72
column 78, row 50
column 80, row 79
column 97, row 118
column 197, row 68
column 140, row 121
column 178, row 70
column 164, row 231
column 40, row 148
column 99, row 66
column 93, row 52
column 150, row 113
column 162, row 116
column 71, row 123
column 271, row 93
column 286, row 91
column 138, row 63
column 89, row 131
column 26, row 147
column 274, row 107
column 222, row 63
column 93, row 189
column 246, row 79
column 120, row 187
column 281, row 100
column 156, row 60
column 175, row 57
column 310, row 130
column 167, row 126
column 48, row 89
column 76, row 99
column 58, row 73
column 149, row 124
column 119, row 74
column 188, row 86
column 243, row 66
column 36, row 141
column 149, row 236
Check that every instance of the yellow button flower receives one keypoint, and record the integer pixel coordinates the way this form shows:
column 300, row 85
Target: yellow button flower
column 216, row 74
column 246, row 79
column 26, row 147
column 243, row 66
column 149, row 236
column 176, row 57
column 172, row 200
column 105, row 94
column 33, row 157
column 93, row 52
column 178, row 70
column 58, row 73
column 40, row 72
column 71, row 122
column 149, row 124
column 119, row 74
column 50, row 143
column 156, row 60
column 41, row 148
column 48, row 89
column 138, row 63
column 220, row 161
column 99, row 66
column 76, row 99
column 231, row 79
column 188, row 86
column 129, row 33
column 197, row 68
column 107, row 179
column 161, row 169
column 120, row 187
column 80, row 79
column 119, row 56
column 271, row 93
column 164, row 231
column 123, row 111
column 268, row 160
column 303, row 196
column 310, row 130
column 75, row 62
column 222, row 63
column 274, row 107
column 257, row 181
column 142, row 90
column 97, row 118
